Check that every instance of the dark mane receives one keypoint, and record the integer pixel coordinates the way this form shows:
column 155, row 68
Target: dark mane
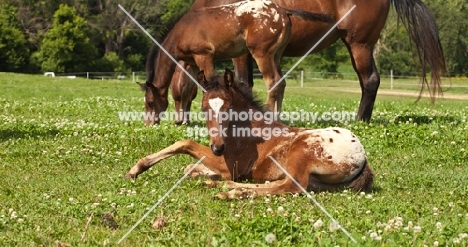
column 154, row 49
column 216, row 83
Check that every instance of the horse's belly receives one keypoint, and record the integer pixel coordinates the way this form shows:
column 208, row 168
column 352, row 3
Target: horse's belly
column 306, row 35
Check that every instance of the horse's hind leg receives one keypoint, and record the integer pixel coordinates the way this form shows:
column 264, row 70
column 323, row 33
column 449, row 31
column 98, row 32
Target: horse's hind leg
column 369, row 79
column 197, row 151
column 271, row 76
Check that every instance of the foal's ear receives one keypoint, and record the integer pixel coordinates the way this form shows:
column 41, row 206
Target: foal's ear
column 228, row 77
column 143, row 86
column 201, row 78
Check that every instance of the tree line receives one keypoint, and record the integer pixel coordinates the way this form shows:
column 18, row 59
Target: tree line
column 96, row 35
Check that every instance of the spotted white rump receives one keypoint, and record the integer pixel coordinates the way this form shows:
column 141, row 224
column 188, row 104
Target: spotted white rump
column 340, row 146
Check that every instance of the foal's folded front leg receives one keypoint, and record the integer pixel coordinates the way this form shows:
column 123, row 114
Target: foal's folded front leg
column 196, row 150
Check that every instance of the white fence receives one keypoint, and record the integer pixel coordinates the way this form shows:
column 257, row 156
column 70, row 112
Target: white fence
column 300, row 77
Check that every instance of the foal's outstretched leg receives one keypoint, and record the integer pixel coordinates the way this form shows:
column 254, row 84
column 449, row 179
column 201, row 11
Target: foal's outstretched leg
column 243, row 191
column 201, row 171
column 197, row 151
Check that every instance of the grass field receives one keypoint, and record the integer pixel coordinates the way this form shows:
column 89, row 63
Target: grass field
column 64, row 151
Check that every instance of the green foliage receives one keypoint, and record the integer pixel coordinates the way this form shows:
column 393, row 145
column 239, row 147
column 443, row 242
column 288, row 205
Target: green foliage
column 66, row 47
column 451, row 17
column 110, row 63
column 395, row 50
column 172, row 9
column 14, row 52
column 134, row 51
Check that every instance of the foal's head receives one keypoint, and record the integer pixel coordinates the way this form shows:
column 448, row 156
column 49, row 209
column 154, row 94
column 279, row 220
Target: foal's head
column 216, row 104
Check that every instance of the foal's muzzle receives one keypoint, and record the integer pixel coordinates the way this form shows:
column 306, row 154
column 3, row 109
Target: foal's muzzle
column 217, row 150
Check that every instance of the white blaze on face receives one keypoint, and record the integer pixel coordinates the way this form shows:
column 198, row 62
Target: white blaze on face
column 216, row 105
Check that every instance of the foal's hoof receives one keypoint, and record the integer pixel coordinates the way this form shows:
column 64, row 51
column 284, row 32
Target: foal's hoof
column 234, row 194
column 210, row 183
column 223, row 196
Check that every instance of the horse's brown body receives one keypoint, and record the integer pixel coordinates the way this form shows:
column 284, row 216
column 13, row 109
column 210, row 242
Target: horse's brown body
column 359, row 32
column 204, row 35
column 318, row 159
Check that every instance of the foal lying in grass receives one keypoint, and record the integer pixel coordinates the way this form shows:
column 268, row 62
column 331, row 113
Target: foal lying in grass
column 318, row 159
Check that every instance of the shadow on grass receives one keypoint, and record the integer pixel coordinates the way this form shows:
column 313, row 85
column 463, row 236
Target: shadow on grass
column 420, row 120
column 8, row 134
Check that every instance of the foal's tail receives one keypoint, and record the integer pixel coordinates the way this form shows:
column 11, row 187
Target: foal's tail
column 364, row 180
column 422, row 29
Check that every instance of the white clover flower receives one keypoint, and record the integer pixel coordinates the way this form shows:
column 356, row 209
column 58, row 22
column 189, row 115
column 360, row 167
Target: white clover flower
column 463, row 235
column 375, row 236
column 318, row 224
column 439, row 225
column 456, row 240
column 435, row 244
column 417, row 229
column 270, row 238
column 280, row 209
column 333, row 226
column 13, row 215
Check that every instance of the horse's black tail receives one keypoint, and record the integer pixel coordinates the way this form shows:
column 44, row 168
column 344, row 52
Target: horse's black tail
column 309, row 16
column 364, row 180
column 422, row 29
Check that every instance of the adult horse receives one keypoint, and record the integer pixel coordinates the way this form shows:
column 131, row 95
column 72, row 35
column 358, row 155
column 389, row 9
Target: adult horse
column 359, row 31
column 207, row 34
column 317, row 159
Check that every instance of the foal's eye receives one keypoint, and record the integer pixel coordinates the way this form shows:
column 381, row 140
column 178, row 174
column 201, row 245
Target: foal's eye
column 151, row 104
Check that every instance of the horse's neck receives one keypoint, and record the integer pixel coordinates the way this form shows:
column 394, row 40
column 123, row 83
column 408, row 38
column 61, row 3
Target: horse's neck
column 163, row 69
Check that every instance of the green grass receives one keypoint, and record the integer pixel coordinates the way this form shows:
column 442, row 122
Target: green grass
column 64, row 151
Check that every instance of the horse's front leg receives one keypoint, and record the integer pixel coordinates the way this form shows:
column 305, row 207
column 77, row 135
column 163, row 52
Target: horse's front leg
column 196, row 150
column 243, row 67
